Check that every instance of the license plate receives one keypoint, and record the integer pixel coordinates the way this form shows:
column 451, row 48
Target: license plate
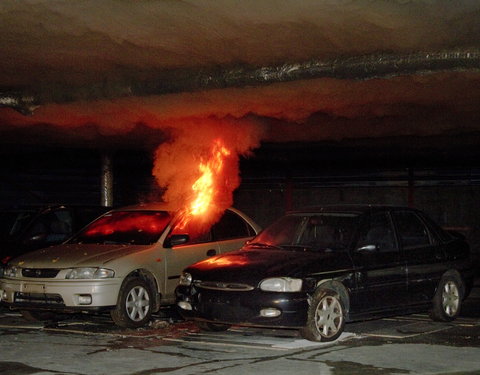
column 33, row 288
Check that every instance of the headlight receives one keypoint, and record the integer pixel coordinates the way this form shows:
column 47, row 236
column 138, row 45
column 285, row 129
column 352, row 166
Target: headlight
column 90, row 273
column 281, row 284
column 185, row 279
column 10, row 271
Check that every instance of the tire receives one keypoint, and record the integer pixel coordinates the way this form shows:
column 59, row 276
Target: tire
column 212, row 327
column 447, row 300
column 134, row 306
column 325, row 319
column 37, row 315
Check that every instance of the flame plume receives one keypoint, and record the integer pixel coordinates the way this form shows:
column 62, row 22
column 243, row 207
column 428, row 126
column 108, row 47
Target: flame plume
column 199, row 166
column 206, row 187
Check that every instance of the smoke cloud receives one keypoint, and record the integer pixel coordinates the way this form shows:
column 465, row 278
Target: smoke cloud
column 195, row 143
column 79, row 49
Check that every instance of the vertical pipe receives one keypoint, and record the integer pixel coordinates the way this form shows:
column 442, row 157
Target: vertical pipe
column 288, row 189
column 411, row 188
column 107, row 180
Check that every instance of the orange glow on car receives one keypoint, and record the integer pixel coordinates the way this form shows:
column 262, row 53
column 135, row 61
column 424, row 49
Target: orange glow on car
column 231, row 260
column 127, row 222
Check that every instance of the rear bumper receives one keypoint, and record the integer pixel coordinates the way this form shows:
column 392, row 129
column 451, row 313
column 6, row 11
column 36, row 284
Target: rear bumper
column 244, row 308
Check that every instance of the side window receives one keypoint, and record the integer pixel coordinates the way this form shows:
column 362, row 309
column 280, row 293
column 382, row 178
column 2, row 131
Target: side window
column 195, row 233
column 60, row 226
column 377, row 230
column 437, row 234
column 411, row 230
column 231, row 226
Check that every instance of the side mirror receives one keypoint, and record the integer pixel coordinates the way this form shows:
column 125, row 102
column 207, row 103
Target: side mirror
column 176, row 239
column 367, row 249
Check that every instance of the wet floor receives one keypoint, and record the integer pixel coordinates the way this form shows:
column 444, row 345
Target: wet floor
column 84, row 344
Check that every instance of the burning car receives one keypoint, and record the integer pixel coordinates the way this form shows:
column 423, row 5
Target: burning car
column 128, row 262
column 317, row 269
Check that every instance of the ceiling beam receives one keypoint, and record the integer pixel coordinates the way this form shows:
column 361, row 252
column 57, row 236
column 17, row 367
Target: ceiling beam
column 365, row 67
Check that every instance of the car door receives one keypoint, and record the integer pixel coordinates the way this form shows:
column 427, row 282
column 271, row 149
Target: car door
column 424, row 255
column 199, row 246
column 381, row 272
column 228, row 234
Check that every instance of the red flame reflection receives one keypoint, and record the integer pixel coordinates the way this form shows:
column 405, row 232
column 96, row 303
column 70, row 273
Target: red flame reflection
column 128, row 222
column 229, row 260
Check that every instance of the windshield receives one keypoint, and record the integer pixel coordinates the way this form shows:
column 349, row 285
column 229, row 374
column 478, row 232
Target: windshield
column 125, row 227
column 326, row 231
column 12, row 223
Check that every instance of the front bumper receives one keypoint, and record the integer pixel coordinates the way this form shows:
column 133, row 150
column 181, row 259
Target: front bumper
column 243, row 308
column 59, row 294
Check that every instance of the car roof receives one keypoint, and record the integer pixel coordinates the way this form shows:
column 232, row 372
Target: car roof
column 152, row 206
column 155, row 206
column 351, row 208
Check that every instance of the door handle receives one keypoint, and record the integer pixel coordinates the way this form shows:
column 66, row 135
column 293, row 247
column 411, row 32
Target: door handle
column 211, row 252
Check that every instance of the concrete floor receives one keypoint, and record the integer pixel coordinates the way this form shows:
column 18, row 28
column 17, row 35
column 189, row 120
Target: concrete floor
column 92, row 345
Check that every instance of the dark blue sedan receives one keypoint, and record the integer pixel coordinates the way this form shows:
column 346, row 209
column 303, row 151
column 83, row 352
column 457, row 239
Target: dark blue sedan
column 317, row 269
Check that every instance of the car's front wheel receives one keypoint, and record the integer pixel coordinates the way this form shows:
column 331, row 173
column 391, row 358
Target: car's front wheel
column 135, row 304
column 325, row 319
column 447, row 300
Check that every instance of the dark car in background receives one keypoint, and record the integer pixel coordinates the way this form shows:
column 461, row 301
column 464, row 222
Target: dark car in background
column 23, row 229
column 317, row 269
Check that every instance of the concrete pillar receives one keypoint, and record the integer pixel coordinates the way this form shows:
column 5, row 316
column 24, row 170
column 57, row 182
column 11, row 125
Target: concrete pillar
column 107, row 180
column 288, row 193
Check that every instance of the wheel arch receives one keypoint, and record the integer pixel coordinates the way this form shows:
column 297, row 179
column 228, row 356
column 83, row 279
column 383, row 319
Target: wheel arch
column 339, row 288
column 150, row 279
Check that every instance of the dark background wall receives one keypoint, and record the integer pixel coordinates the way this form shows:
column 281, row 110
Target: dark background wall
column 273, row 180
column 452, row 203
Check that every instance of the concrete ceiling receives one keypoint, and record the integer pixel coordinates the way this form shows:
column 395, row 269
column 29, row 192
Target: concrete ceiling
column 143, row 72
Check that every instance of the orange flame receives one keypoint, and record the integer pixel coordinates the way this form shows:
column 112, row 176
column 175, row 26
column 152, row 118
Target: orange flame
column 206, row 186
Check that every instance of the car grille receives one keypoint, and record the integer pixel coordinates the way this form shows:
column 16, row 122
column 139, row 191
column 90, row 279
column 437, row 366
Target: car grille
column 220, row 307
column 38, row 299
column 216, row 285
column 45, row 273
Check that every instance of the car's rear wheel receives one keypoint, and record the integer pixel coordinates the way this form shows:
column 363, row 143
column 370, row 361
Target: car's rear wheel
column 325, row 319
column 135, row 304
column 37, row 315
column 448, row 299
column 212, row 327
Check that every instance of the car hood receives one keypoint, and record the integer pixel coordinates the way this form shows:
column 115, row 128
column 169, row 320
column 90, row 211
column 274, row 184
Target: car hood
column 71, row 255
column 252, row 265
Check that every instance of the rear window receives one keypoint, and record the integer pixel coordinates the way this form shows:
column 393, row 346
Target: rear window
column 125, row 227
column 231, row 226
